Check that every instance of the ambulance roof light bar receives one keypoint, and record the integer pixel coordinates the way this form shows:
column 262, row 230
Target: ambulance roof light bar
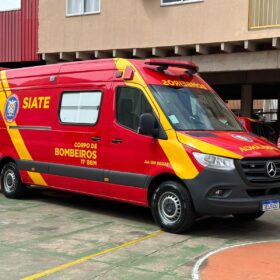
column 163, row 64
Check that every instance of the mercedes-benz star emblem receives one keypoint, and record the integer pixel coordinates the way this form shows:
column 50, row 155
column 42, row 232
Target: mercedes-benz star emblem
column 271, row 169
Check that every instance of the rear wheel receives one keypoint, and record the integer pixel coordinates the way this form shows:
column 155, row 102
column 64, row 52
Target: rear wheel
column 11, row 184
column 172, row 207
column 248, row 216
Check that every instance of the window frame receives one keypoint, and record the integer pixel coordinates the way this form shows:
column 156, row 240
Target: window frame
column 83, row 13
column 179, row 2
column 116, row 106
column 80, row 124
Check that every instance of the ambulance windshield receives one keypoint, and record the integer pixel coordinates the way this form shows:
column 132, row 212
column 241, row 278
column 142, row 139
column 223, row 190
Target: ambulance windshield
column 195, row 109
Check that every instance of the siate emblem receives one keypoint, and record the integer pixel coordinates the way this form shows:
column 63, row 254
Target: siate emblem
column 11, row 108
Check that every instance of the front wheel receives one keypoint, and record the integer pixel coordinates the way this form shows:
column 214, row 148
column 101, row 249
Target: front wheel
column 172, row 207
column 11, row 184
column 248, row 216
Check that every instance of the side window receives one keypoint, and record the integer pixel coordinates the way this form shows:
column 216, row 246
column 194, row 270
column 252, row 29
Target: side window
column 80, row 107
column 131, row 104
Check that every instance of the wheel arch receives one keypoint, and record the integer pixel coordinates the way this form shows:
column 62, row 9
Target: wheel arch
column 4, row 161
column 158, row 179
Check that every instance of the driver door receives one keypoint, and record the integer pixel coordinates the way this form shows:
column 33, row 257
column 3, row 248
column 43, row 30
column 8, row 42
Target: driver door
column 129, row 153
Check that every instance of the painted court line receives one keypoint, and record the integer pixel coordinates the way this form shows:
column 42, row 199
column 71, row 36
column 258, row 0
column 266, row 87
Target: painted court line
column 89, row 257
column 199, row 263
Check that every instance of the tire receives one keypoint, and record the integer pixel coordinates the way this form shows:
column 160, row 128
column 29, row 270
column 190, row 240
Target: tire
column 11, row 184
column 172, row 207
column 248, row 216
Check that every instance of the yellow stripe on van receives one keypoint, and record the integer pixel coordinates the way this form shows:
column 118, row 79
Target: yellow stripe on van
column 207, row 148
column 15, row 135
column 173, row 149
column 6, row 87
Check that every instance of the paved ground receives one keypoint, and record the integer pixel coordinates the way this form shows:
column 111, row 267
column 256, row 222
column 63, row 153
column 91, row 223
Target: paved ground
column 92, row 239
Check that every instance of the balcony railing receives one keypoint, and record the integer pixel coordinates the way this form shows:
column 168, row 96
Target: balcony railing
column 264, row 14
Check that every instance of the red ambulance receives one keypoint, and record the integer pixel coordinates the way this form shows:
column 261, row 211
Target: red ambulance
column 150, row 133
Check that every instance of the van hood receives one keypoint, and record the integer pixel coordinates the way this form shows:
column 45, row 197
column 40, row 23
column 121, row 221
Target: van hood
column 229, row 144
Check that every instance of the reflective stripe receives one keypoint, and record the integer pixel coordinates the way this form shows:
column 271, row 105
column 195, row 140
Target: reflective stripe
column 15, row 135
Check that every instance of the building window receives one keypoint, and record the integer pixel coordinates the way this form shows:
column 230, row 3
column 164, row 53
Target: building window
column 10, row 5
column 80, row 107
column 264, row 14
column 174, row 2
column 82, row 7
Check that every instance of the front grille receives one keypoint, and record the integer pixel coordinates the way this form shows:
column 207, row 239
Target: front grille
column 256, row 170
column 263, row 192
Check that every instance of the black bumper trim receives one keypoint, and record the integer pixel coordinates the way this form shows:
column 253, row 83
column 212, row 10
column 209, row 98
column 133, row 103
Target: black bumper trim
column 237, row 199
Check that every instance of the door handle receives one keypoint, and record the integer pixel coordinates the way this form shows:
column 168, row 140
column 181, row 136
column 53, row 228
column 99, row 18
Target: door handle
column 96, row 138
column 117, row 141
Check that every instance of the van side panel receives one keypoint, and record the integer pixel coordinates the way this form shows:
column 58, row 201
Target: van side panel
column 131, row 194
column 34, row 121
column 27, row 140
column 77, row 150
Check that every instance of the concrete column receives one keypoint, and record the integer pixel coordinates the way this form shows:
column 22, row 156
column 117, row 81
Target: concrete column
column 246, row 100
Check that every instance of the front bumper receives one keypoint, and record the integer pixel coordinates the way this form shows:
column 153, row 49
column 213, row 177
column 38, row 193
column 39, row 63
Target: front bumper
column 239, row 195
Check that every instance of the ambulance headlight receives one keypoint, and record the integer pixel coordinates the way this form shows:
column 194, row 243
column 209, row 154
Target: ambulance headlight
column 215, row 162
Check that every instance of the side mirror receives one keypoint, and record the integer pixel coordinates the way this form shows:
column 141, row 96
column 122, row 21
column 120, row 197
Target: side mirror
column 149, row 125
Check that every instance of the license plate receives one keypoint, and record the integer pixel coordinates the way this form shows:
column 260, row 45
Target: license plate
column 270, row 205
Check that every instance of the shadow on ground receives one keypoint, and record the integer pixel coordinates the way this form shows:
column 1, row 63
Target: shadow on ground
column 267, row 227
column 91, row 204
